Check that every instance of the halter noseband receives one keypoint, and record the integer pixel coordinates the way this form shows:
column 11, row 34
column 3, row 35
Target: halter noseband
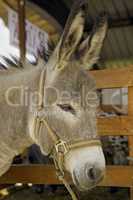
column 60, row 147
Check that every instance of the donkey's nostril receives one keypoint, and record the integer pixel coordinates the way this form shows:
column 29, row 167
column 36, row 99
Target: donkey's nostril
column 92, row 174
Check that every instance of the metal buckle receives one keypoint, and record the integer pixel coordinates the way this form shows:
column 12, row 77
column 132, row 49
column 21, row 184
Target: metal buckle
column 61, row 146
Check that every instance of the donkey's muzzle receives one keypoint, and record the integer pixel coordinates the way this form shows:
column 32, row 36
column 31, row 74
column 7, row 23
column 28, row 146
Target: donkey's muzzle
column 88, row 177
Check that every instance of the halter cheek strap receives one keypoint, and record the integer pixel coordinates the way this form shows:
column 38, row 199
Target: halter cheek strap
column 60, row 147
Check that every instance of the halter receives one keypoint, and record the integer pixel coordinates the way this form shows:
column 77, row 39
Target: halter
column 60, row 147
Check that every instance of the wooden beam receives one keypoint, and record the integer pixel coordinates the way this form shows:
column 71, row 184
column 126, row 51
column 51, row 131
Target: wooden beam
column 115, row 126
column 122, row 22
column 119, row 176
column 113, row 78
column 30, row 174
column 114, row 23
column 10, row 4
column 22, row 32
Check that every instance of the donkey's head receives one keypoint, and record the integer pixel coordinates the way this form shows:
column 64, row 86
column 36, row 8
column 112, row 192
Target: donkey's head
column 71, row 100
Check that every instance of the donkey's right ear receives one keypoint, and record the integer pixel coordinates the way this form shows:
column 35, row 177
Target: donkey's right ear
column 90, row 48
column 70, row 39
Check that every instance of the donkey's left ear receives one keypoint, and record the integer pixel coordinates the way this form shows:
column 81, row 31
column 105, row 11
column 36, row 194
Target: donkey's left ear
column 90, row 48
column 70, row 39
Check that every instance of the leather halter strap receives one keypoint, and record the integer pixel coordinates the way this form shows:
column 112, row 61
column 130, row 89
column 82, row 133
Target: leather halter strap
column 60, row 147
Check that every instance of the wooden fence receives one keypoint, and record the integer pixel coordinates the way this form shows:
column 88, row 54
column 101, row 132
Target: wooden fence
column 119, row 176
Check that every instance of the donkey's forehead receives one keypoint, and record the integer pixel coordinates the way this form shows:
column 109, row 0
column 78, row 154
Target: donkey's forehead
column 73, row 78
column 84, row 78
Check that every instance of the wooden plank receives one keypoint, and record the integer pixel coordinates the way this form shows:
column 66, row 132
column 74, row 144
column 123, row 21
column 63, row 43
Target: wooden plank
column 115, row 126
column 113, row 78
column 30, row 174
column 130, row 138
column 119, row 176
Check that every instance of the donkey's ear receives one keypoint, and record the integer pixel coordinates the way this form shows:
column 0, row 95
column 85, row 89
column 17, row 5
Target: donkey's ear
column 90, row 48
column 70, row 39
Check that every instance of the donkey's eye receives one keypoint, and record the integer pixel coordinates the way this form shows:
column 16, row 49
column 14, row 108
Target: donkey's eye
column 67, row 108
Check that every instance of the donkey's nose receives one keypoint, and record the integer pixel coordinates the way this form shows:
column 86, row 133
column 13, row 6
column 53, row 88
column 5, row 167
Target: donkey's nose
column 93, row 173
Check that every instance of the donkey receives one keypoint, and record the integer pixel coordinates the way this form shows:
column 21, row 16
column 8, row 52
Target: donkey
column 70, row 102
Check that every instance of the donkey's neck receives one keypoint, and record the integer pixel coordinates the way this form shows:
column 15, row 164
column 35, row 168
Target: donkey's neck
column 15, row 87
column 17, row 78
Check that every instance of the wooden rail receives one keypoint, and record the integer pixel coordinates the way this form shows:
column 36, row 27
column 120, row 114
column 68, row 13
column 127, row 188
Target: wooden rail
column 118, row 176
column 115, row 126
column 113, row 78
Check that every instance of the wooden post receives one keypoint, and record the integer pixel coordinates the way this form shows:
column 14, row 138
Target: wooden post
column 130, row 138
column 22, row 33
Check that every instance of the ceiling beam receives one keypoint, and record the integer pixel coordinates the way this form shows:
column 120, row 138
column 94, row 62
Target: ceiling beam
column 123, row 22
column 113, row 23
